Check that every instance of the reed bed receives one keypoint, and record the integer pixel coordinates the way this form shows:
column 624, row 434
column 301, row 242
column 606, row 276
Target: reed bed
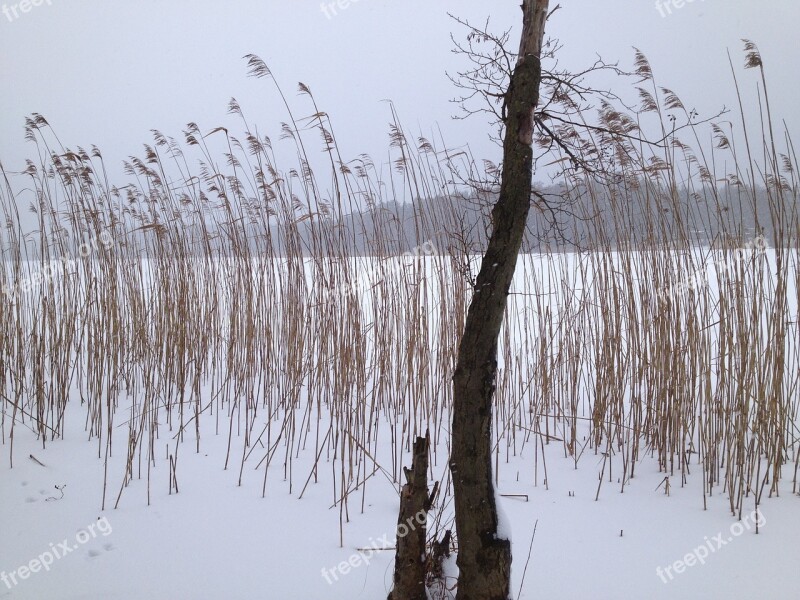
column 289, row 310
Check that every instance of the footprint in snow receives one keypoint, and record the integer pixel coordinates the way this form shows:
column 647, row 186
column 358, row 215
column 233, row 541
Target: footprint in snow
column 95, row 553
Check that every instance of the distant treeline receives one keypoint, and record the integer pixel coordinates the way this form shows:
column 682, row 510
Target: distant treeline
column 588, row 217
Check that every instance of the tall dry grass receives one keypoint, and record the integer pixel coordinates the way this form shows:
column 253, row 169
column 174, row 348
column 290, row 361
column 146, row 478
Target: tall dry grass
column 273, row 305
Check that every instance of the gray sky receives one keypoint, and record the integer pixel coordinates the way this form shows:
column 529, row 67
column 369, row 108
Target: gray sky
column 105, row 72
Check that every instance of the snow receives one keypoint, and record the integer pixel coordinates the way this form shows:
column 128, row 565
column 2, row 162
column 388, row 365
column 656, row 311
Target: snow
column 503, row 524
column 217, row 540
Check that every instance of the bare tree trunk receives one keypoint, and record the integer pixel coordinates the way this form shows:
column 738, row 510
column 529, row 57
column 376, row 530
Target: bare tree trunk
column 484, row 560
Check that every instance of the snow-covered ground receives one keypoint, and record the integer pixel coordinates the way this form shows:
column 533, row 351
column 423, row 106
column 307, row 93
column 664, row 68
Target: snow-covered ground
column 214, row 540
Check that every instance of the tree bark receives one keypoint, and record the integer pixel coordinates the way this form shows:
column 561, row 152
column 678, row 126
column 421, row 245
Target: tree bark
column 409, row 569
column 484, row 559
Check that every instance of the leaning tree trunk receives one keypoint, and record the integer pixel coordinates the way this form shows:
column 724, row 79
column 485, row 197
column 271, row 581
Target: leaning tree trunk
column 484, row 559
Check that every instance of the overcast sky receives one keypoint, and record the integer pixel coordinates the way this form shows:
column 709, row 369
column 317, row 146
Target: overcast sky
column 106, row 72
